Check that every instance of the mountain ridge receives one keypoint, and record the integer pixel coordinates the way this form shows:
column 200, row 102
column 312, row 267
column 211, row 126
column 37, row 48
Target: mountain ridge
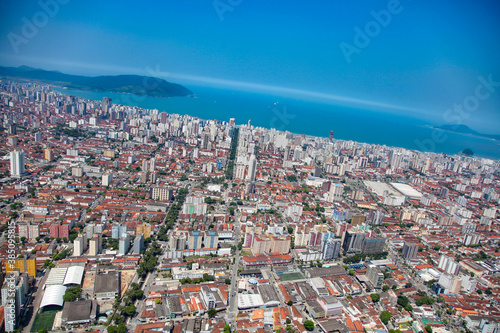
column 464, row 129
column 128, row 83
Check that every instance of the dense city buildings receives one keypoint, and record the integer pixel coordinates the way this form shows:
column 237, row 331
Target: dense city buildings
column 132, row 219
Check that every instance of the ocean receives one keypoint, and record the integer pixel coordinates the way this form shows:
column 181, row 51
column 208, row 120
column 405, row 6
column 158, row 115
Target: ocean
column 314, row 118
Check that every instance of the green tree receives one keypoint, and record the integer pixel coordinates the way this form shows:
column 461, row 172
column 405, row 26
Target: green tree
column 134, row 292
column 385, row 316
column 424, row 300
column 129, row 310
column 122, row 328
column 212, row 312
column 403, row 300
column 428, row 329
column 72, row 294
column 375, row 297
column 207, row 277
column 118, row 319
column 309, row 325
column 290, row 303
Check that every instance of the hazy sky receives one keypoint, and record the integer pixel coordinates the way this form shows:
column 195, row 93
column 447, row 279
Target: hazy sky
column 420, row 57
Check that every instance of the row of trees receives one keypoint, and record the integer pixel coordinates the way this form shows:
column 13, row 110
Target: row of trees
column 148, row 264
column 149, row 260
column 232, row 154
column 128, row 308
column 61, row 255
column 173, row 214
column 133, row 293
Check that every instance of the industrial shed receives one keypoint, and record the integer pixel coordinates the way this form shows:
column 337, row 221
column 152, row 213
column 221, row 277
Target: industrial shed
column 56, row 276
column 74, row 275
column 53, row 296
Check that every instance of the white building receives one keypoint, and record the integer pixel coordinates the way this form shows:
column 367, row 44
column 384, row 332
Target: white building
column 161, row 193
column 16, row 163
column 124, row 244
column 78, row 246
column 77, row 171
column 336, row 192
column 449, row 265
column 94, row 247
column 107, row 179
column 252, row 167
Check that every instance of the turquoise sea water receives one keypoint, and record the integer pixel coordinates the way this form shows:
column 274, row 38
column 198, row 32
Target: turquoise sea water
column 308, row 117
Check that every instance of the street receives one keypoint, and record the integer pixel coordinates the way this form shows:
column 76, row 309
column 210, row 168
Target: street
column 233, row 288
column 36, row 302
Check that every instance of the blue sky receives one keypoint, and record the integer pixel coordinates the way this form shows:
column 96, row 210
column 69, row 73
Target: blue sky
column 427, row 57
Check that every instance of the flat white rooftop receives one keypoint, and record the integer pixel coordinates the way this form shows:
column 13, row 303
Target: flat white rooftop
column 248, row 301
column 379, row 188
column 382, row 262
column 407, row 190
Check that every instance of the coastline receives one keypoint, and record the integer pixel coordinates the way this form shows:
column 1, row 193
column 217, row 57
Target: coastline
column 480, row 136
column 367, row 132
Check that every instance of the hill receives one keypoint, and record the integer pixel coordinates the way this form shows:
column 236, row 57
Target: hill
column 464, row 129
column 132, row 84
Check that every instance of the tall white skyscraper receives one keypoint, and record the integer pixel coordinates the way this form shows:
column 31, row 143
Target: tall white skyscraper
column 252, row 167
column 152, row 164
column 78, row 247
column 396, row 160
column 16, row 163
column 449, row 265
